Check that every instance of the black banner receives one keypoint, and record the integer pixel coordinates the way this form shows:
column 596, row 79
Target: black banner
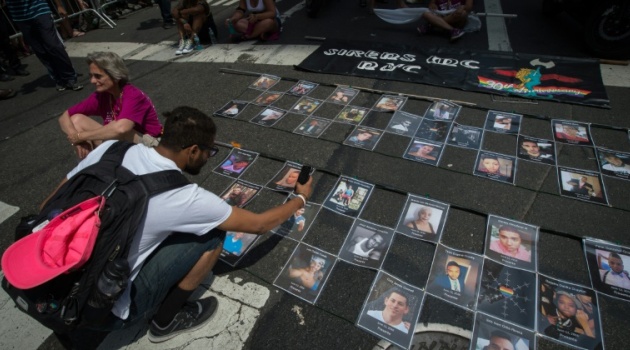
column 562, row 79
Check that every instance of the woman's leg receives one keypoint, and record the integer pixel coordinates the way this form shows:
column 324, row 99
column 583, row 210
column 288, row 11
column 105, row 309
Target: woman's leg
column 268, row 25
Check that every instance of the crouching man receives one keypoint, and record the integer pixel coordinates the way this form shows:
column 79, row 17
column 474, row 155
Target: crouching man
column 182, row 236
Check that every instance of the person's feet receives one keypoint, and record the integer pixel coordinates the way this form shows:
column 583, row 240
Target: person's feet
column 188, row 46
column 168, row 24
column 456, row 33
column 180, row 46
column 70, row 85
column 193, row 316
column 6, row 93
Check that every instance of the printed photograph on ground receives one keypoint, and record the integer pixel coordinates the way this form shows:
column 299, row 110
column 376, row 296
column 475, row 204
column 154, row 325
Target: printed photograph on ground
column 512, row 242
column 454, row 276
column 363, row 137
column 236, row 163
column 390, row 103
column 302, row 88
column 297, row 225
column 343, row 95
column 582, row 184
column 306, row 272
column 267, row 98
column 391, row 310
column 235, row 246
column 495, row 166
column 442, row 110
column 366, row 244
column 536, row 150
column 573, row 133
column 313, row 126
column 349, row 196
column 423, row 218
column 231, row 109
column 613, row 163
column 495, row 334
column 433, row 130
column 568, row 313
column 351, row 115
column 265, row 82
column 607, row 266
column 268, row 117
column 306, row 105
column 240, row 193
column 286, row 178
column 465, row 136
column 503, row 122
column 508, row 293
column 403, row 123
column 424, row 152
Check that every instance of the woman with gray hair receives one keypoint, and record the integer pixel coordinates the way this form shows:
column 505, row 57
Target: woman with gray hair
column 128, row 114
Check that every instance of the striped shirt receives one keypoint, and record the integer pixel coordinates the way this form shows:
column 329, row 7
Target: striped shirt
column 24, row 10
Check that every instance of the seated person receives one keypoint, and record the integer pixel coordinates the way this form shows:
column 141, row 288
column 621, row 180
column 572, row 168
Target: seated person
column 255, row 19
column 128, row 114
column 453, row 21
column 190, row 16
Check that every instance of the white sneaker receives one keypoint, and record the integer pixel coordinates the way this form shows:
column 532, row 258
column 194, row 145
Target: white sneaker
column 188, row 46
column 180, row 48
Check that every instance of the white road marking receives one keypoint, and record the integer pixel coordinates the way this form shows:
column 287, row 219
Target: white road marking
column 6, row 211
column 498, row 39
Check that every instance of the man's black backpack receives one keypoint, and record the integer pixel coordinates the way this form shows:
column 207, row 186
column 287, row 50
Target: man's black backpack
column 61, row 304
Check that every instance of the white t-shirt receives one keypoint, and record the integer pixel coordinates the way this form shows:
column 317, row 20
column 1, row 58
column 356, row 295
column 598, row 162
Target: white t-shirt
column 378, row 314
column 189, row 209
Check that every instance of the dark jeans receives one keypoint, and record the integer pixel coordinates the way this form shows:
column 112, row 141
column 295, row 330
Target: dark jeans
column 41, row 35
column 5, row 45
column 165, row 10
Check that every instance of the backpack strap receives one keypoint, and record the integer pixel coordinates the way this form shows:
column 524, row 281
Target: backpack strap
column 116, row 152
column 163, row 181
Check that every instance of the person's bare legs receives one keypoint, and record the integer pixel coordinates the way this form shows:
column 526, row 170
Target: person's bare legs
column 267, row 25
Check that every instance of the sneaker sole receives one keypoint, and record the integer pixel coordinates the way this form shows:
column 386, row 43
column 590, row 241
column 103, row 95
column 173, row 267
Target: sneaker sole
column 163, row 338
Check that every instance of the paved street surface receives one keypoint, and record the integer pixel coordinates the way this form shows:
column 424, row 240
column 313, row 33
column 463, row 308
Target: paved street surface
column 254, row 314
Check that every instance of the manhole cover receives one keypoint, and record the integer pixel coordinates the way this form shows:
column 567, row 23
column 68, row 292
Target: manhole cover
column 435, row 337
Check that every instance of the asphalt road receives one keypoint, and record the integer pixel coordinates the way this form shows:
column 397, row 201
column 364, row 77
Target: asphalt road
column 35, row 156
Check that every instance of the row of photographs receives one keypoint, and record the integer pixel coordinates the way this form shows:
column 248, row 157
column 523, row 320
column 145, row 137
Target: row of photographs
column 429, row 136
column 511, row 245
column 436, row 129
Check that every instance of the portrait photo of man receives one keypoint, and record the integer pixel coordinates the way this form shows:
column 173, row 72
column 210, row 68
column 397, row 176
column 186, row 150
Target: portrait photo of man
column 613, row 163
column 312, row 126
column 510, row 243
column 306, row 105
column 267, row 98
column 455, row 276
column 465, row 136
column 351, row 114
column 302, row 88
column 390, row 103
column 366, row 244
column 571, row 132
column 240, row 193
column 363, row 137
column 612, row 270
column 502, row 122
column 403, row 123
column 231, row 109
column 492, row 333
column 537, row 150
column 607, row 263
column 265, row 82
column 442, row 110
column 582, row 184
column 394, row 309
column 268, row 117
column 452, row 278
column 343, row 95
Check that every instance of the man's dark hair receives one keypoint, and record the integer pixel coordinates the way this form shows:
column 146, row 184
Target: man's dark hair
column 399, row 292
column 615, row 255
column 501, row 334
column 187, row 126
column 452, row 263
column 509, row 228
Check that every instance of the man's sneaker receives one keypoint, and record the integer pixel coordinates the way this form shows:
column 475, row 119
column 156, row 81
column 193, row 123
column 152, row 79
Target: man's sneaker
column 193, row 316
column 423, row 28
column 188, row 46
column 74, row 86
column 180, row 48
column 456, row 33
